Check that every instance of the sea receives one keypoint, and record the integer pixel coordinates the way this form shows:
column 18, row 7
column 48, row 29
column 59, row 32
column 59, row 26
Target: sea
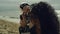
column 17, row 20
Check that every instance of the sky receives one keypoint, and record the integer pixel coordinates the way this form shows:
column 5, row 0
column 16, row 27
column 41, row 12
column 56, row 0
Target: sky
column 11, row 7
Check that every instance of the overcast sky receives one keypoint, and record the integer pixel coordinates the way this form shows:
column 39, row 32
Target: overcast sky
column 11, row 7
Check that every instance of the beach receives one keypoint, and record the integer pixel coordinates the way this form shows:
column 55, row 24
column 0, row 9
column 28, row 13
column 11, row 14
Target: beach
column 7, row 27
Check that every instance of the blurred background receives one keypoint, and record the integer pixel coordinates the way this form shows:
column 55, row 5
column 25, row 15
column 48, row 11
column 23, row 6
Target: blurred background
column 10, row 12
column 10, row 8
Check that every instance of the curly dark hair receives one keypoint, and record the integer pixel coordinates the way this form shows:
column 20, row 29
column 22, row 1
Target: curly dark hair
column 47, row 16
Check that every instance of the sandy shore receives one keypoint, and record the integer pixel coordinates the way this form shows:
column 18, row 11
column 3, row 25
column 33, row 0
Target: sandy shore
column 8, row 27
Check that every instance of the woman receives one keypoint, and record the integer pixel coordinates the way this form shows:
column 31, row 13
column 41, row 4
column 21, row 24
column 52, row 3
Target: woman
column 45, row 18
column 25, row 7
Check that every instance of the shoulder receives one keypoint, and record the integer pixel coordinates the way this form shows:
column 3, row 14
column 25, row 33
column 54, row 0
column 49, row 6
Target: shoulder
column 21, row 17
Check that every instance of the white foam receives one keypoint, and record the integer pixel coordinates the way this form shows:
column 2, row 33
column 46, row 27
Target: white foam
column 10, row 19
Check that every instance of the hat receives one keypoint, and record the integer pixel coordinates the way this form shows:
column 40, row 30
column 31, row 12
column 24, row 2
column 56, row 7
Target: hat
column 23, row 4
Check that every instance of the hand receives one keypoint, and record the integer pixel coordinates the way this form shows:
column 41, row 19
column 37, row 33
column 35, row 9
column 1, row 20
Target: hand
column 30, row 25
column 22, row 23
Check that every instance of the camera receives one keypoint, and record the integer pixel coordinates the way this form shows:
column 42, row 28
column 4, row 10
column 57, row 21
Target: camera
column 26, row 28
column 28, row 18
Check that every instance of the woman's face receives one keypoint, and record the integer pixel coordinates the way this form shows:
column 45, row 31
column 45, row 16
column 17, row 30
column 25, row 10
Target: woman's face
column 26, row 9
